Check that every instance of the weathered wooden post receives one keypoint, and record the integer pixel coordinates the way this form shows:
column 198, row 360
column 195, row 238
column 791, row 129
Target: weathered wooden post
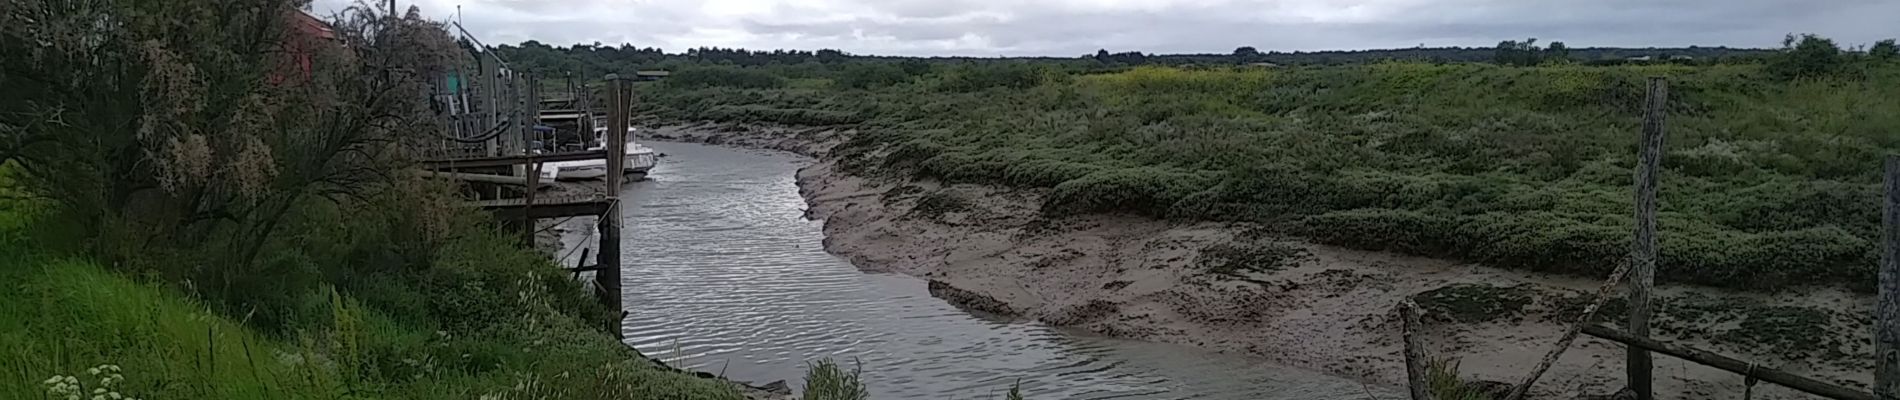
column 1887, row 310
column 607, row 278
column 1416, row 361
column 1643, row 250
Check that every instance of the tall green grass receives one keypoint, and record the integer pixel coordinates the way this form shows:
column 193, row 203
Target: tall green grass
column 65, row 314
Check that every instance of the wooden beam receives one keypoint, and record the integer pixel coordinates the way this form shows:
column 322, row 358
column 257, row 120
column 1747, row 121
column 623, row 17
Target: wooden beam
column 1416, row 362
column 1887, row 307
column 484, row 178
column 1643, row 249
column 503, row 161
column 570, row 206
column 1747, row 369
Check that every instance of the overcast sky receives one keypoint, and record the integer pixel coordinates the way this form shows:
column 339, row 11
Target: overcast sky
column 1075, row 27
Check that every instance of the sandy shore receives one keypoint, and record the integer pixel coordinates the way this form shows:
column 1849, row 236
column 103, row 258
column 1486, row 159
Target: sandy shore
column 1318, row 307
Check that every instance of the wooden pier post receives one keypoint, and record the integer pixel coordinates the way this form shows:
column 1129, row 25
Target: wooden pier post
column 1417, row 363
column 607, row 278
column 1887, row 307
column 1643, row 249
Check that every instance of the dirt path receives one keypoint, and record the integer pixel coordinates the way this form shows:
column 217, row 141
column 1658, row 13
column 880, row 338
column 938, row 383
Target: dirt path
column 1226, row 286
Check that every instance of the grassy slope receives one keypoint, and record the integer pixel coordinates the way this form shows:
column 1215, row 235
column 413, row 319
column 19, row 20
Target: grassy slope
column 64, row 315
column 1769, row 183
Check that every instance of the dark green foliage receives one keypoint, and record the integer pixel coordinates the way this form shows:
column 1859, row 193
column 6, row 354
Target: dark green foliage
column 281, row 246
column 796, row 116
column 1138, row 189
column 1809, row 56
column 870, row 75
column 1557, row 52
column 1474, row 303
column 1884, row 50
column 1768, row 183
column 1384, row 229
column 1523, row 54
column 720, row 76
column 976, row 77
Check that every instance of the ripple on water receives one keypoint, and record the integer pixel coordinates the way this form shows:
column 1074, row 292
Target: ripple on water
column 725, row 275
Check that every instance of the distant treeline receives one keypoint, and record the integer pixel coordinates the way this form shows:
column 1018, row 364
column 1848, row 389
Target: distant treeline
column 597, row 59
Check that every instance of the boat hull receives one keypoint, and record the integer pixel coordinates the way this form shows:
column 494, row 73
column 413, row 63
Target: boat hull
column 636, row 166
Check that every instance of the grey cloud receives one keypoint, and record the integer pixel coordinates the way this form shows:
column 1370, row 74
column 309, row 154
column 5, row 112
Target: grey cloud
column 1073, row 27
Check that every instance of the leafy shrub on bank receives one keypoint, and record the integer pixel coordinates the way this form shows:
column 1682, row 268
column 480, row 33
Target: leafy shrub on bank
column 1518, row 167
column 1149, row 190
column 721, row 76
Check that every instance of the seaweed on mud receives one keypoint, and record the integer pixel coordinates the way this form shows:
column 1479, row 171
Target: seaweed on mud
column 1236, row 259
column 1474, row 303
column 938, row 203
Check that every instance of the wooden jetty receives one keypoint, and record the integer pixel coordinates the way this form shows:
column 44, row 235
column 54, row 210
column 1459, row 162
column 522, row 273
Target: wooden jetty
column 493, row 144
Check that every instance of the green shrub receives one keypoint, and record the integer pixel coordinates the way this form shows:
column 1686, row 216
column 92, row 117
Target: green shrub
column 732, row 77
column 1383, row 229
column 1148, row 191
column 824, row 380
column 1517, row 167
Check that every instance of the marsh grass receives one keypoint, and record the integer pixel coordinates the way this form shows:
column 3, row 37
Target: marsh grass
column 825, row 380
column 1768, row 182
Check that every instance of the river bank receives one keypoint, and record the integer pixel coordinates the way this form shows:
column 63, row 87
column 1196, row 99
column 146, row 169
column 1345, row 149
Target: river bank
column 1234, row 288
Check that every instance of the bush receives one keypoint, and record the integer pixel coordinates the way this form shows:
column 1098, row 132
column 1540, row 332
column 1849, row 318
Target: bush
column 1383, row 229
column 1807, row 57
column 1147, row 191
column 732, row 77
column 871, row 75
column 983, row 76
column 1517, row 167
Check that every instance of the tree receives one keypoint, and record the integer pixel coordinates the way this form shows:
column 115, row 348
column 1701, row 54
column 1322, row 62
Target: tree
column 1557, row 51
column 1884, row 50
column 871, row 75
column 203, row 135
column 1806, row 57
column 1512, row 52
column 1246, row 52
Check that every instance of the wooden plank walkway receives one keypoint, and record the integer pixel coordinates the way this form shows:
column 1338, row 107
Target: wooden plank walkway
column 547, row 207
column 503, row 161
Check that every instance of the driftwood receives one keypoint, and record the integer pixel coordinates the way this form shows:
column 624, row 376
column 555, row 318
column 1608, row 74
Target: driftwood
column 1725, row 363
column 1563, row 343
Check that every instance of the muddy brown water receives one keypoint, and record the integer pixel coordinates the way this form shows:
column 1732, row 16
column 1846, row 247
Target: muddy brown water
column 724, row 274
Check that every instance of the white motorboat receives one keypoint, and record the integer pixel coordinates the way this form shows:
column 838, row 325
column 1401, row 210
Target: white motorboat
column 639, row 160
